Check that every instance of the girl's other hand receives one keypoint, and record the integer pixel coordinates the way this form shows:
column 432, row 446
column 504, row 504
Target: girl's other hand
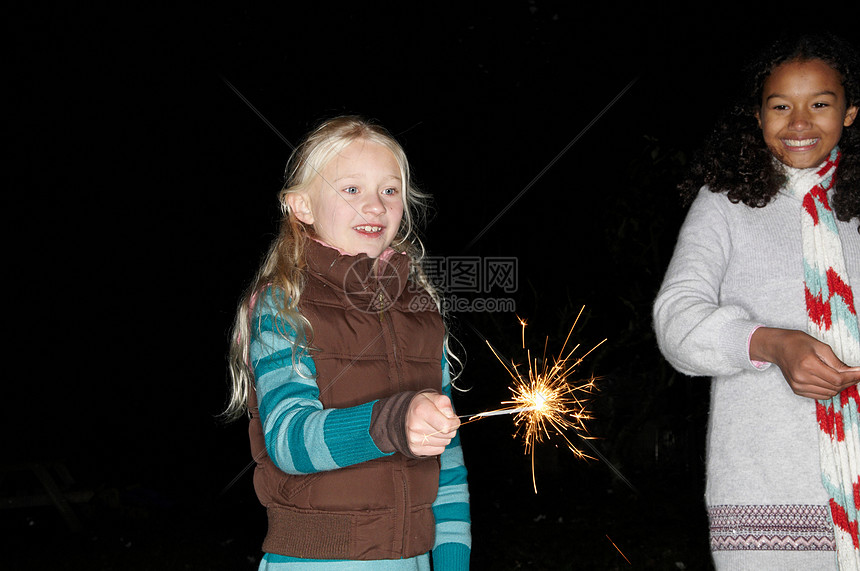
column 430, row 424
column 809, row 366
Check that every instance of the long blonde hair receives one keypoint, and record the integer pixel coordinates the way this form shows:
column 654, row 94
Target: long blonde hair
column 283, row 265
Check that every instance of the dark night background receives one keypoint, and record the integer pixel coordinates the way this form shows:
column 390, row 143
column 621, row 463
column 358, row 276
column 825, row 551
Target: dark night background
column 141, row 197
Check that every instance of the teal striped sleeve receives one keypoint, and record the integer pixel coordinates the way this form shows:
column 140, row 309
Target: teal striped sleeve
column 301, row 436
column 451, row 508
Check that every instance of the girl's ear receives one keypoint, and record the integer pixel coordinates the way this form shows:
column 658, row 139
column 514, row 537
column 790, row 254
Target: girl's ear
column 850, row 115
column 299, row 203
column 758, row 117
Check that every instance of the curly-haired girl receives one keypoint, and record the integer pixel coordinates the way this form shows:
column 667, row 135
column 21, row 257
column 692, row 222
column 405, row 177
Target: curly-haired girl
column 761, row 296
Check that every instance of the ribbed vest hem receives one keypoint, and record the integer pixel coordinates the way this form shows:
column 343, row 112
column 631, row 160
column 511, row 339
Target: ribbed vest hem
column 321, row 535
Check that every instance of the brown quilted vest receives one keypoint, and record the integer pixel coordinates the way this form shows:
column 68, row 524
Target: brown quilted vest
column 373, row 337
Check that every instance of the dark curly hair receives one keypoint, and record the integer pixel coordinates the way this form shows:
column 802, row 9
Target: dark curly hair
column 735, row 159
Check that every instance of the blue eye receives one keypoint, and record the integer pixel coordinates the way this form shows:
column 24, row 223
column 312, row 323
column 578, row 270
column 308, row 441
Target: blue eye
column 389, row 191
column 351, row 190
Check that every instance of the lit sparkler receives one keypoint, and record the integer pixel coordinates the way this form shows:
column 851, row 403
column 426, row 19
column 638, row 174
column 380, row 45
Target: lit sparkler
column 544, row 401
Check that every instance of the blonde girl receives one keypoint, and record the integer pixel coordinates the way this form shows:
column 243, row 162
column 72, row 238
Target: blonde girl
column 339, row 358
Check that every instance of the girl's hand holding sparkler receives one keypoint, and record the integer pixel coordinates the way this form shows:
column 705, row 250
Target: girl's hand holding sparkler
column 430, row 424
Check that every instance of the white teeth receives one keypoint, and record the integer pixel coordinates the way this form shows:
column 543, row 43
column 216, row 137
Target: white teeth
column 799, row 143
column 369, row 228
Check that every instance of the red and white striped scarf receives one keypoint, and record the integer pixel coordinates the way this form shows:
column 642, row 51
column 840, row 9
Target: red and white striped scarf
column 832, row 319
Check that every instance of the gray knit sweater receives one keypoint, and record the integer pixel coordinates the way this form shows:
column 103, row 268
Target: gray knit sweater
column 736, row 268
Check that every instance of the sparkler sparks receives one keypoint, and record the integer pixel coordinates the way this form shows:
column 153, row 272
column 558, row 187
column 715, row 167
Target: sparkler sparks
column 544, row 401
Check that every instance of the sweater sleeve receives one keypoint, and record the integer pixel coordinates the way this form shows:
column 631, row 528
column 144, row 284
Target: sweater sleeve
column 301, row 436
column 699, row 335
column 453, row 544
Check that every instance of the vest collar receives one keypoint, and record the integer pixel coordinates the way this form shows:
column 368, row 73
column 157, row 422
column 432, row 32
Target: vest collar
column 367, row 282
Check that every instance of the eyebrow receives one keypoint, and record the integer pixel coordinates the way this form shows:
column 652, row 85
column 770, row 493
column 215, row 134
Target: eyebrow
column 780, row 95
column 357, row 175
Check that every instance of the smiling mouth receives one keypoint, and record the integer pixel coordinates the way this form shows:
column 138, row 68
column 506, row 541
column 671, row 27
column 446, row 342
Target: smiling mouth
column 799, row 143
column 368, row 229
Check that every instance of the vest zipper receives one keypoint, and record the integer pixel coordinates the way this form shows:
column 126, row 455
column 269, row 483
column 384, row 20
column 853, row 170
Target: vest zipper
column 388, row 324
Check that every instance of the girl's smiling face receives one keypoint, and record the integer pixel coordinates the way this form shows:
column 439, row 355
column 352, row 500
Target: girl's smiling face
column 803, row 111
column 356, row 202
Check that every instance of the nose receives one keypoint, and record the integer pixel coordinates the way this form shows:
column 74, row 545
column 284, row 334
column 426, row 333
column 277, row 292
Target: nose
column 799, row 119
column 373, row 204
